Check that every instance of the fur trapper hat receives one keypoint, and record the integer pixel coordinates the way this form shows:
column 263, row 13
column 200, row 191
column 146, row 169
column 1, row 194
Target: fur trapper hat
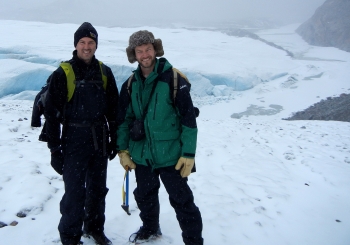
column 85, row 30
column 143, row 37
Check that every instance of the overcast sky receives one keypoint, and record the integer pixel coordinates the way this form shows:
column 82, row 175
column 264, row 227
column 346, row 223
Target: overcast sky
column 161, row 12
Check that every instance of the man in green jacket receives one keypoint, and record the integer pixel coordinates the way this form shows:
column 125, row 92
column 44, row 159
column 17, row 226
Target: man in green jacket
column 157, row 137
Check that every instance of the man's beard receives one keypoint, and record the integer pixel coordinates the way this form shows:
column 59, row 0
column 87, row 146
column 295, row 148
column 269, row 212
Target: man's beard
column 152, row 64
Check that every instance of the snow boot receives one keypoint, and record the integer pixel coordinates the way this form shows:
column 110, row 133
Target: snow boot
column 144, row 235
column 99, row 238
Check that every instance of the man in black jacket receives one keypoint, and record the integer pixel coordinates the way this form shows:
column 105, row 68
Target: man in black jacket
column 88, row 138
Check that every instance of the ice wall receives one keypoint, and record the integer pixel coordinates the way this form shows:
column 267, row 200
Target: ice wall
column 21, row 73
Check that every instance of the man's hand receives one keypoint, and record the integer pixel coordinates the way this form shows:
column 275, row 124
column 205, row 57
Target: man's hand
column 125, row 160
column 112, row 145
column 185, row 166
column 112, row 149
column 57, row 160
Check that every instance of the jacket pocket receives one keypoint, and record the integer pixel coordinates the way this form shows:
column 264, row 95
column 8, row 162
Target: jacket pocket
column 166, row 147
column 136, row 149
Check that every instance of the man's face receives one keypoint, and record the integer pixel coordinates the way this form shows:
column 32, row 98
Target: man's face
column 145, row 55
column 86, row 49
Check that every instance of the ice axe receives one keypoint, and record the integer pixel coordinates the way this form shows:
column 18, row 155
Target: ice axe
column 125, row 193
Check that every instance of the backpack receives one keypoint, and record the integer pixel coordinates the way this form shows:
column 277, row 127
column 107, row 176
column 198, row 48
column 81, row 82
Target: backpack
column 67, row 68
column 38, row 106
column 40, row 98
column 174, row 87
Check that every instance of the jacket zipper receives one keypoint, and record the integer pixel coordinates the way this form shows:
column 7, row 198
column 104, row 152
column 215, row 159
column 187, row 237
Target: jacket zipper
column 139, row 104
column 155, row 107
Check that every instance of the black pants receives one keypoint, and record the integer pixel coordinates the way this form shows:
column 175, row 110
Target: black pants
column 180, row 197
column 83, row 203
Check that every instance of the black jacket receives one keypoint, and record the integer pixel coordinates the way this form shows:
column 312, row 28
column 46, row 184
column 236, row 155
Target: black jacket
column 56, row 100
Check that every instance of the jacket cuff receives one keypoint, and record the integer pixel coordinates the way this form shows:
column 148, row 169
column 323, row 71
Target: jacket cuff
column 54, row 149
column 188, row 155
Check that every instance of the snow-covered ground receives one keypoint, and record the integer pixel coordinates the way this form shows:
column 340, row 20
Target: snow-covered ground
column 259, row 180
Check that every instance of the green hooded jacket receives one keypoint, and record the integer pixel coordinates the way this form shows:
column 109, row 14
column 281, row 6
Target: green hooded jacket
column 170, row 127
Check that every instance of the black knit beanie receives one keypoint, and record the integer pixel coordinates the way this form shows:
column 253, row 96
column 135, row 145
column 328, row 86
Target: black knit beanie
column 85, row 30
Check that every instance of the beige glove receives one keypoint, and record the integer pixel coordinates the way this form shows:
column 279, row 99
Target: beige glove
column 186, row 165
column 125, row 160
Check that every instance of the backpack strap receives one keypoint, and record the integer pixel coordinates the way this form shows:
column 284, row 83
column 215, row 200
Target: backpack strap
column 103, row 72
column 175, row 82
column 68, row 70
column 176, row 72
column 175, row 85
column 129, row 83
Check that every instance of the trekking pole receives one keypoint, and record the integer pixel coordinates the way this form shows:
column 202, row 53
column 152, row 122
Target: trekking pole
column 125, row 194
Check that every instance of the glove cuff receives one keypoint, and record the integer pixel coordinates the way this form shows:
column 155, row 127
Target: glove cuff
column 54, row 149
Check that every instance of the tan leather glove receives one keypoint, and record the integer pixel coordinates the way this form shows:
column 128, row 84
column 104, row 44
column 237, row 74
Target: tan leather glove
column 125, row 160
column 186, row 165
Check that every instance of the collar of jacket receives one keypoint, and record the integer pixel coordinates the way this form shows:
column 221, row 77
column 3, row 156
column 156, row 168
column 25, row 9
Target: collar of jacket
column 85, row 71
column 80, row 62
column 162, row 64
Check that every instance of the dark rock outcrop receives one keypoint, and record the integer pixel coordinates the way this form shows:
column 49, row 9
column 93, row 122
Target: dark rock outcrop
column 329, row 26
column 331, row 109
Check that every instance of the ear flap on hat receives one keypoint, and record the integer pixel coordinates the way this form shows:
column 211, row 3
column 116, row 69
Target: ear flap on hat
column 158, row 47
column 131, row 54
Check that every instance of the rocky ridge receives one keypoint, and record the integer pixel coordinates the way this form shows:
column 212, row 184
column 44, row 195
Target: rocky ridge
column 329, row 26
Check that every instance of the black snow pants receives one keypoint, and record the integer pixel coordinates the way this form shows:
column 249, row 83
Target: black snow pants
column 84, row 176
column 180, row 197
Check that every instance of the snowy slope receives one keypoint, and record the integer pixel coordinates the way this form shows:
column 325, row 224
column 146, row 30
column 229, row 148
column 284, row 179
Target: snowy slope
column 259, row 179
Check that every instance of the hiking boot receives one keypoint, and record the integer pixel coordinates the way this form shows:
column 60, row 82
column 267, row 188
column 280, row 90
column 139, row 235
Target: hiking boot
column 99, row 238
column 144, row 235
column 79, row 243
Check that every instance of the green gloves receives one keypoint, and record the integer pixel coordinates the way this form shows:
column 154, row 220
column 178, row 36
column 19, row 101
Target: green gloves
column 125, row 160
column 186, row 165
